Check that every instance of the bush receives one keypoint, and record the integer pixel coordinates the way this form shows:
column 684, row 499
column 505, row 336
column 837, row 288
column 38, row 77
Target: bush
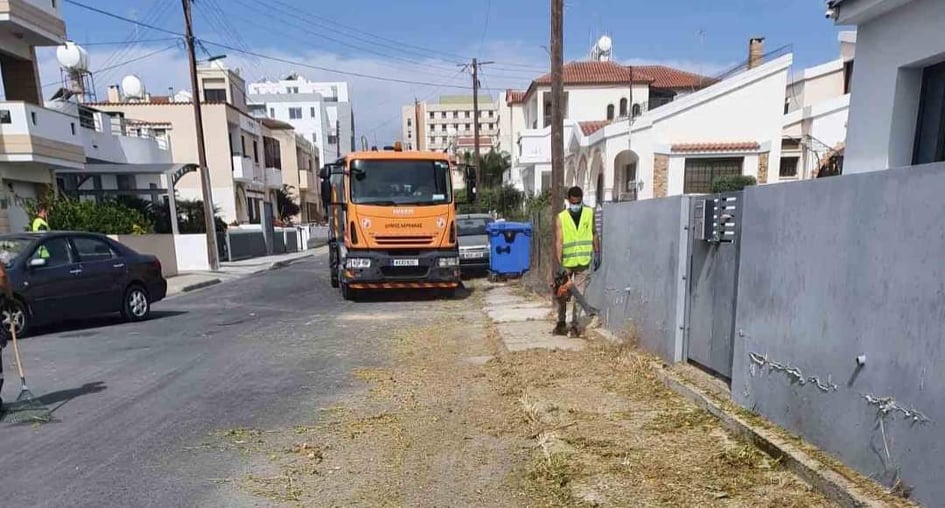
column 732, row 183
column 506, row 201
column 107, row 217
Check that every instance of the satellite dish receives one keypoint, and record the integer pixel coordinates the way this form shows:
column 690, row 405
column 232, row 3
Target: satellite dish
column 72, row 57
column 605, row 44
column 132, row 87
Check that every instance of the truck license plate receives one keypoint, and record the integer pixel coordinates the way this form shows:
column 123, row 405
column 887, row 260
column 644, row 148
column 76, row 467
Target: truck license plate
column 406, row 262
column 472, row 255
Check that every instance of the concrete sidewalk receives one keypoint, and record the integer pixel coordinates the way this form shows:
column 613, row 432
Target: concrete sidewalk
column 192, row 281
column 525, row 322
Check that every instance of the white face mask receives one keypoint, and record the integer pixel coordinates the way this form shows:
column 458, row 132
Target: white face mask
column 576, row 208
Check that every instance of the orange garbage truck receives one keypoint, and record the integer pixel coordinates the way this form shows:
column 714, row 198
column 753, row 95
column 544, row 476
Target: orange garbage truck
column 392, row 222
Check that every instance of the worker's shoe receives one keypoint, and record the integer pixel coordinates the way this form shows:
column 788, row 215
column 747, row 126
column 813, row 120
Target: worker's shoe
column 574, row 332
column 560, row 329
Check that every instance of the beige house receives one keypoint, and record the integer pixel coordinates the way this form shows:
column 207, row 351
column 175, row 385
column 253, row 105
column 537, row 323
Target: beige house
column 242, row 184
column 296, row 159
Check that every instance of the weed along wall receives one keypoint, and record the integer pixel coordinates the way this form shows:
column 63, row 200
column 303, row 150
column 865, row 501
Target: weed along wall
column 841, row 268
column 839, row 313
column 639, row 286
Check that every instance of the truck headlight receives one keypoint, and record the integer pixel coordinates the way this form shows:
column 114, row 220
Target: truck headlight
column 358, row 263
column 448, row 262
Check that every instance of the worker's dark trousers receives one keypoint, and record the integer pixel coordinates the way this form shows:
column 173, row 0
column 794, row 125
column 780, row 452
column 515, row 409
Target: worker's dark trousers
column 1, row 372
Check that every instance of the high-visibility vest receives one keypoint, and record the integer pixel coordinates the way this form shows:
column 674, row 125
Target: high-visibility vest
column 578, row 242
column 40, row 224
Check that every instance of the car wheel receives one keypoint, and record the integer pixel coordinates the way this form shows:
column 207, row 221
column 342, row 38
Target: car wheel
column 17, row 313
column 137, row 304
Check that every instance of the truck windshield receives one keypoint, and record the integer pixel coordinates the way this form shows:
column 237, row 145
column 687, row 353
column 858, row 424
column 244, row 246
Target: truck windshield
column 400, row 182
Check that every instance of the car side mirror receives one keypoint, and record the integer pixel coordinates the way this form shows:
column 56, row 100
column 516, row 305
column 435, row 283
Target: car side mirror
column 37, row 262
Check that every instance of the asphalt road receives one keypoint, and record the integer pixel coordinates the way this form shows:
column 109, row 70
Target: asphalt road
column 132, row 400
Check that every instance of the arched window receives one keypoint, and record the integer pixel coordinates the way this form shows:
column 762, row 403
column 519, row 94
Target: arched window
column 623, row 107
column 610, row 111
column 637, row 110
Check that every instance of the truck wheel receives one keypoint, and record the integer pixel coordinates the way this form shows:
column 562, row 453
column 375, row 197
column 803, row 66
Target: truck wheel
column 334, row 279
column 347, row 293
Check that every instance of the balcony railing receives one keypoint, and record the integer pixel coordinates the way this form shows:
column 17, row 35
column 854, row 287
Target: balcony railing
column 274, row 178
column 243, row 169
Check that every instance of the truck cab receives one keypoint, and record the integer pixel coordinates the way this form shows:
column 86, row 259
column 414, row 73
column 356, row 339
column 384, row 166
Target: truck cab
column 392, row 222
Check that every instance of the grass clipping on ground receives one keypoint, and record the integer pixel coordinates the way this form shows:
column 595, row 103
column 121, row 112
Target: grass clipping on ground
column 538, row 428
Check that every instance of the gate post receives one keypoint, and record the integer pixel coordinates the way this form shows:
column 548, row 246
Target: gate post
column 680, row 324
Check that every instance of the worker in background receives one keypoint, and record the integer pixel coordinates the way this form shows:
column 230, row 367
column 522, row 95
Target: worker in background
column 40, row 221
column 577, row 248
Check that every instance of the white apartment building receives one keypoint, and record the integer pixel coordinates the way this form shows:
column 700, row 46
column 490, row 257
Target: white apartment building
column 815, row 117
column 897, row 105
column 319, row 111
column 41, row 139
column 447, row 124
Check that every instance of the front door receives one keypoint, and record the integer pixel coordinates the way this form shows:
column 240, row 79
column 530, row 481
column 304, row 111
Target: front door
column 102, row 276
column 53, row 288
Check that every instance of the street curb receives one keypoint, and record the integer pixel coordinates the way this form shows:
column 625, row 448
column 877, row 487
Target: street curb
column 819, row 475
column 284, row 263
column 200, row 285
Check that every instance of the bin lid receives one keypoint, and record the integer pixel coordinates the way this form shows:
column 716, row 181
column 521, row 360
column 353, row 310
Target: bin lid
column 501, row 227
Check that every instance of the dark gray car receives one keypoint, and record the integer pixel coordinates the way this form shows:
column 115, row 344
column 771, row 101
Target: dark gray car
column 473, row 241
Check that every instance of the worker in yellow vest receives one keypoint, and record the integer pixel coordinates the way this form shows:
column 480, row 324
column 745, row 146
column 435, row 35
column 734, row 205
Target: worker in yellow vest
column 39, row 222
column 578, row 249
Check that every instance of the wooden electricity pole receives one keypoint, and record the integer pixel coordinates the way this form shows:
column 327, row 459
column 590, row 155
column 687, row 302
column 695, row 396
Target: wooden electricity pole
column 208, row 214
column 476, row 64
column 557, row 106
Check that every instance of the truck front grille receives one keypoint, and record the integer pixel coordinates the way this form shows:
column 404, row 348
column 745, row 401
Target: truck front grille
column 404, row 240
column 405, row 271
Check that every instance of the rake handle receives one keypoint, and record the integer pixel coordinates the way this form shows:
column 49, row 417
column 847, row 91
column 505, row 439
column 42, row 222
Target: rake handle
column 16, row 352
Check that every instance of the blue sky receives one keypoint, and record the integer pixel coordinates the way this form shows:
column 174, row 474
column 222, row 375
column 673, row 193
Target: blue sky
column 422, row 40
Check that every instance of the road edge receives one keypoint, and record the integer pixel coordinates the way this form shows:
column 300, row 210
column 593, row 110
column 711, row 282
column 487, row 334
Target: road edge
column 819, row 475
column 200, row 285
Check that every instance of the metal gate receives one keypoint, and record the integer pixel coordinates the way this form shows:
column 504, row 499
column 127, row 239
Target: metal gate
column 713, row 280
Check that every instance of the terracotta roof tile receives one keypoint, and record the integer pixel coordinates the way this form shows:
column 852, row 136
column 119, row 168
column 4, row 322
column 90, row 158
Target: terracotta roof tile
column 514, row 96
column 589, row 128
column 728, row 146
column 596, row 73
column 667, row 77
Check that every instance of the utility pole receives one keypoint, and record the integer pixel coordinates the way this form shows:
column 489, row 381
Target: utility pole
column 629, row 147
column 337, row 139
column 416, row 124
column 557, row 105
column 208, row 214
column 476, row 64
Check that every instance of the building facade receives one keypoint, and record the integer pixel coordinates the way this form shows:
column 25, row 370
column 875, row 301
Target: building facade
column 897, row 107
column 41, row 139
column 241, row 184
column 653, row 131
column 319, row 111
column 447, row 125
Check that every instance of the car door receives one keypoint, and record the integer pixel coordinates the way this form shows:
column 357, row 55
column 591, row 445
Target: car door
column 51, row 280
column 102, row 274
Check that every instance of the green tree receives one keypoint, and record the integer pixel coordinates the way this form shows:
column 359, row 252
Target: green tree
column 286, row 205
column 493, row 166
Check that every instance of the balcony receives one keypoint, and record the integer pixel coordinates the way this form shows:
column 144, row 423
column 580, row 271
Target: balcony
column 306, row 180
column 39, row 21
column 243, row 169
column 32, row 133
column 273, row 178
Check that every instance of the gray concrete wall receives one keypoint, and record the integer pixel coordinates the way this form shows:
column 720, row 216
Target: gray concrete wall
column 837, row 268
column 639, row 283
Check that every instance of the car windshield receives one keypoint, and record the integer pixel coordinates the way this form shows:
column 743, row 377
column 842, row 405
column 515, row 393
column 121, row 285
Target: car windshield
column 11, row 248
column 474, row 226
column 400, row 182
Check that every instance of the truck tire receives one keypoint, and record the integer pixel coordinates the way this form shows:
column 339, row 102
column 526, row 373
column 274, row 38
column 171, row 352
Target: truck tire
column 347, row 293
column 334, row 279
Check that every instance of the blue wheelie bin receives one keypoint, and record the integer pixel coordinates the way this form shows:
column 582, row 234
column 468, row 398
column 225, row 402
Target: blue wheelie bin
column 510, row 245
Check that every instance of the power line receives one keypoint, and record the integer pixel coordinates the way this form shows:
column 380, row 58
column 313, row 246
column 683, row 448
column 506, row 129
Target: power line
column 122, row 64
column 122, row 18
column 326, row 69
column 116, row 43
column 485, row 27
column 156, row 11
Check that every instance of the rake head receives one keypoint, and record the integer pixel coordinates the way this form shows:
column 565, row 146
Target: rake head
column 26, row 409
